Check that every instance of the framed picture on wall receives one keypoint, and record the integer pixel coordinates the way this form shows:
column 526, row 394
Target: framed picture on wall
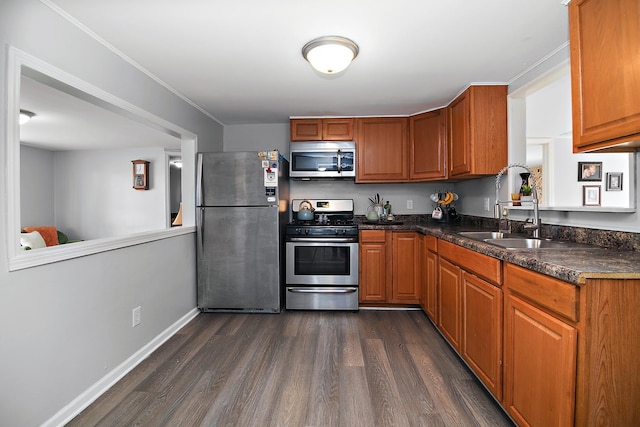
column 614, row 181
column 591, row 195
column 589, row 171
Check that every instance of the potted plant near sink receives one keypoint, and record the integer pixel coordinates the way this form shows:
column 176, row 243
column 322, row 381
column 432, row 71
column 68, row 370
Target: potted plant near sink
column 527, row 198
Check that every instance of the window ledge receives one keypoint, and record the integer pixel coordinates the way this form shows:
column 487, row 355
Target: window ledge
column 595, row 209
column 36, row 257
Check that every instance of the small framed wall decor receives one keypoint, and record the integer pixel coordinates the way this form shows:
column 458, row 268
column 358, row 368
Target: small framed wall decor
column 614, row 181
column 590, row 195
column 589, row 171
column 140, row 174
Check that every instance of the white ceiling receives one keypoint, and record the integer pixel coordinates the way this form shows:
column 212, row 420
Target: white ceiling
column 240, row 60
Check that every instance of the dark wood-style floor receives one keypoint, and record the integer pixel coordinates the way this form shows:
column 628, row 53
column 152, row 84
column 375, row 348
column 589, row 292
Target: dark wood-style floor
column 372, row 368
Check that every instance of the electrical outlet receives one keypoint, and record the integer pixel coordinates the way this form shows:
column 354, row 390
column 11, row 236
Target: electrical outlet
column 409, row 204
column 136, row 316
column 487, row 204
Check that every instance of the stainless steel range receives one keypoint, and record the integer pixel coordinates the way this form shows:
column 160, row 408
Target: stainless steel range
column 322, row 256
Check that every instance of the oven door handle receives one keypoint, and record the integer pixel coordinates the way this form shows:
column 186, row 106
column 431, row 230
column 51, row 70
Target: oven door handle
column 323, row 239
column 349, row 290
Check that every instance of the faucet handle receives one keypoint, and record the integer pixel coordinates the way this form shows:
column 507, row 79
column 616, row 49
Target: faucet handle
column 533, row 221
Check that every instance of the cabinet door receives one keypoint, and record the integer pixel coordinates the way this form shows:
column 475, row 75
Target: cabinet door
column 337, row 129
column 406, row 274
column 459, row 155
column 306, row 129
column 428, row 146
column 381, row 145
column 431, row 282
column 449, row 302
column 482, row 330
column 477, row 132
column 539, row 365
column 422, row 265
column 373, row 272
column 605, row 76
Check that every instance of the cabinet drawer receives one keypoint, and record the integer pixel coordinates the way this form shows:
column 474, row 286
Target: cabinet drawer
column 558, row 296
column 372, row 236
column 431, row 243
column 481, row 265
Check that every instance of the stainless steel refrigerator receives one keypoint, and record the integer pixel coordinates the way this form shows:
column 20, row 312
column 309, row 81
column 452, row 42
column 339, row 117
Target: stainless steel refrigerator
column 242, row 213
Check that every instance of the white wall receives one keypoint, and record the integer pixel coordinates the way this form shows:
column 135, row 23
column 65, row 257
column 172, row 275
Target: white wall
column 36, row 181
column 87, row 194
column 65, row 326
column 549, row 109
column 567, row 190
column 99, row 201
column 259, row 137
column 396, row 194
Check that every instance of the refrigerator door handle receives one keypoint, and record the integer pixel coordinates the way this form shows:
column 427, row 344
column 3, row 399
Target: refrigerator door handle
column 201, row 229
column 199, row 182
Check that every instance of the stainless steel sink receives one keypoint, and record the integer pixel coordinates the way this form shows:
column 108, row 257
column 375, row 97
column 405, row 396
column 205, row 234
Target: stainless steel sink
column 521, row 241
column 529, row 243
column 483, row 235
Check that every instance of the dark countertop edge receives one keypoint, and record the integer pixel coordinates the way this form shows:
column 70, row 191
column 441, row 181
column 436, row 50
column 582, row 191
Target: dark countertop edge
column 580, row 268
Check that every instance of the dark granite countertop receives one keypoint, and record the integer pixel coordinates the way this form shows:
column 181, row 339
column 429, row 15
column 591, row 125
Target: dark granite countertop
column 573, row 265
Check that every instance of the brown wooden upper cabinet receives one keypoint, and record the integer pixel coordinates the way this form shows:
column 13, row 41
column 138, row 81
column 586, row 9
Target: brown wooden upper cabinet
column 334, row 129
column 477, row 132
column 604, row 37
column 428, row 146
column 382, row 152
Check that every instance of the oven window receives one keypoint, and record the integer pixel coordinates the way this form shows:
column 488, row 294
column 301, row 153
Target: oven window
column 322, row 260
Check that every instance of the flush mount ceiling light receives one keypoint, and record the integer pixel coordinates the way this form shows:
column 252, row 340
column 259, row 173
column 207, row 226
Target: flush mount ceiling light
column 330, row 54
column 25, row 116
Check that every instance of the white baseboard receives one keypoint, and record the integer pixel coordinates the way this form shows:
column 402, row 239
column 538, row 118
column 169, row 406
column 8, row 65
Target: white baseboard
column 78, row 404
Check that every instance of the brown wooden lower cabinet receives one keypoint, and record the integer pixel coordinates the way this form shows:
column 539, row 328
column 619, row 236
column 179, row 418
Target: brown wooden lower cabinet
column 428, row 291
column 482, row 330
column 449, row 302
column 552, row 353
column 373, row 266
column 405, row 284
column 470, row 309
column 539, row 365
column 390, row 269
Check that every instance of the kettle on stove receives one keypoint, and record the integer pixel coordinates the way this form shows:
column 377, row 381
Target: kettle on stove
column 305, row 211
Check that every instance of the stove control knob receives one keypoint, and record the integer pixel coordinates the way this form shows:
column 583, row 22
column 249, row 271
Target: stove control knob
column 306, row 231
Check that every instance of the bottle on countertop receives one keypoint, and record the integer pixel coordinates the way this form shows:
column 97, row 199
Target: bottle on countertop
column 387, row 209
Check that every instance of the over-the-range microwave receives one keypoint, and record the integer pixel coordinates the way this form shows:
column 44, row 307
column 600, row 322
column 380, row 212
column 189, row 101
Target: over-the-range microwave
column 322, row 159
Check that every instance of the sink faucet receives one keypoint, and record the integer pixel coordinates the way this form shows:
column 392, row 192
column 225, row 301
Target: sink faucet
column 531, row 223
column 504, row 223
